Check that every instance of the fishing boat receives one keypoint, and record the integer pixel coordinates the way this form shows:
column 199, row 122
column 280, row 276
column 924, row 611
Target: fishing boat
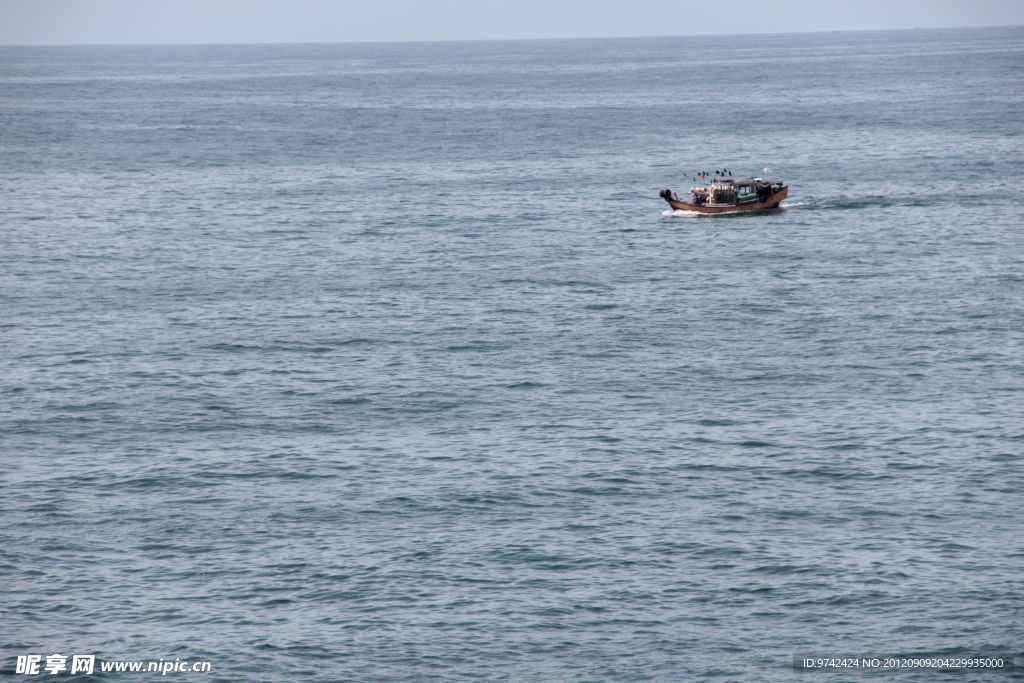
column 725, row 195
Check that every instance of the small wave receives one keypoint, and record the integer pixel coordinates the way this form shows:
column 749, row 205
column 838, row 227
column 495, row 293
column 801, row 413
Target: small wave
column 872, row 201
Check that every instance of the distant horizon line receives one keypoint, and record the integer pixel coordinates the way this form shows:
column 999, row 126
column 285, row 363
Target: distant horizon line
column 511, row 40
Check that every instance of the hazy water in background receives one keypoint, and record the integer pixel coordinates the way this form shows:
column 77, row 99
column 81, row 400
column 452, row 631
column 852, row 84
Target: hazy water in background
column 381, row 362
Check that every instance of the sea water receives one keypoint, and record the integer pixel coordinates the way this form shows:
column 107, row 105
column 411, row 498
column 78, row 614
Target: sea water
column 383, row 362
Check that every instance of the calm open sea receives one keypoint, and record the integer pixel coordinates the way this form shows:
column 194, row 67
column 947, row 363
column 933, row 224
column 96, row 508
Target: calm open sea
column 382, row 363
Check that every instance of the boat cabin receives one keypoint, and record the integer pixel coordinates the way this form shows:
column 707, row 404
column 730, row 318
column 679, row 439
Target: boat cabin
column 730, row 192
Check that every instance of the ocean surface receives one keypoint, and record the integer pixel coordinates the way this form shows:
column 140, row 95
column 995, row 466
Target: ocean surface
column 384, row 363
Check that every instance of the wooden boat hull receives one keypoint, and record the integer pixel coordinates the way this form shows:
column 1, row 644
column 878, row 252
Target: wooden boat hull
column 771, row 203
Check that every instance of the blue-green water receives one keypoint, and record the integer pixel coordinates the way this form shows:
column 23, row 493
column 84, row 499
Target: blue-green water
column 381, row 363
